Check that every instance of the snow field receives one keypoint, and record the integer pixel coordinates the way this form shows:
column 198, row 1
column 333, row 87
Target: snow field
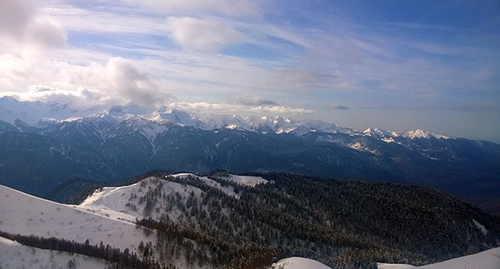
column 250, row 181
column 28, row 215
column 489, row 259
column 14, row 255
column 298, row 263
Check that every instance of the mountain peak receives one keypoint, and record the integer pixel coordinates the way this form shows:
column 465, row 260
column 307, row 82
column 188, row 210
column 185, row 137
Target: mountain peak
column 178, row 117
column 419, row 133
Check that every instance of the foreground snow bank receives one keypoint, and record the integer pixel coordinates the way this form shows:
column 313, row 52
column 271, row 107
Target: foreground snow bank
column 489, row 259
column 24, row 214
column 298, row 263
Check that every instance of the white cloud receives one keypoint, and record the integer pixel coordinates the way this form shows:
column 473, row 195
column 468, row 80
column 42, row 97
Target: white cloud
column 46, row 32
column 201, row 35
column 281, row 110
column 23, row 26
column 223, row 7
column 203, row 107
column 118, row 81
column 15, row 16
column 109, row 22
column 79, row 98
column 134, row 84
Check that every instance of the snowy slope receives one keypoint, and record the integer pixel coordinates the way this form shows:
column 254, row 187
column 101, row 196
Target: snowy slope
column 229, row 190
column 128, row 202
column 24, row 214
column 250, row 181
column 124, row 203
column 165, row 115
column 489, row 259
column 14, row 255
column 298, row 263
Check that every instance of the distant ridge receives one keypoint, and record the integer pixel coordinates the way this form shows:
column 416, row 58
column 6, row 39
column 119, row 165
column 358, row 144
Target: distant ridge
column 125, row 141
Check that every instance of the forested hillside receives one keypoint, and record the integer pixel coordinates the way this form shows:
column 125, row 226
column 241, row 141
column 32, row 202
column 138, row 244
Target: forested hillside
column 214, row 221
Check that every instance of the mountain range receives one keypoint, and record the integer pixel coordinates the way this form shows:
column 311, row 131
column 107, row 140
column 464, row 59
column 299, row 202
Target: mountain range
column 49, row 147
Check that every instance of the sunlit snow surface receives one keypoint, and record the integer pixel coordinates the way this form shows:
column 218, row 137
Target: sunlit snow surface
column 14, row 255
column 112, row 201
column 105, row 217
column 298, row 263
column 24, row 214
column 489, row 259
column 247, row 180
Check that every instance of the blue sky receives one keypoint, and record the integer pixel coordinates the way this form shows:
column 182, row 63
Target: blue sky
column 397, row 65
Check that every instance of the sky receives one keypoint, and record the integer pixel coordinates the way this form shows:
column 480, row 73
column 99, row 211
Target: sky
column 394, row 65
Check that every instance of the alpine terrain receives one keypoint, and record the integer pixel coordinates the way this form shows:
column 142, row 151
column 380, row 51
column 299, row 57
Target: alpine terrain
column 266, row 220
column 50, row 150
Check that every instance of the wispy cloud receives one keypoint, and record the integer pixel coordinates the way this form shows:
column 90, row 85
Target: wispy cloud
column 254, row 101
column 202, row 35
column 223, row 7
column 250, row 56
column 337, row 107
column 204, row 107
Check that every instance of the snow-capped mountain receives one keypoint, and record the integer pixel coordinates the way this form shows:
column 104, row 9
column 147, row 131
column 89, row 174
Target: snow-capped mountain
column 38, row 114
column 39, row 156
column 34, row 113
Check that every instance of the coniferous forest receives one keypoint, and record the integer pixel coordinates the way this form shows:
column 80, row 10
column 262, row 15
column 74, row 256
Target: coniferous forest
column 212, row 221
column 344, row 224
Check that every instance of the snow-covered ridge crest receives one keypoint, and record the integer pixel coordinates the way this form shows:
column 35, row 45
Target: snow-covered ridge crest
column 40, row 114
column 489, row 259
column 276, row 124
column 126, row 202
column 182, row 118
column 298, row 263
column 389, row 136
column 419, row 133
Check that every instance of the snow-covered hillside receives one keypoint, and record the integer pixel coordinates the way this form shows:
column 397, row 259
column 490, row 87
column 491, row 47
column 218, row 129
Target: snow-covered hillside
column 205, row 222
column 489, row 259
column 247, row 180
column 108, row 216
column 24, row 214
column 16, row 256
column 129, row 202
